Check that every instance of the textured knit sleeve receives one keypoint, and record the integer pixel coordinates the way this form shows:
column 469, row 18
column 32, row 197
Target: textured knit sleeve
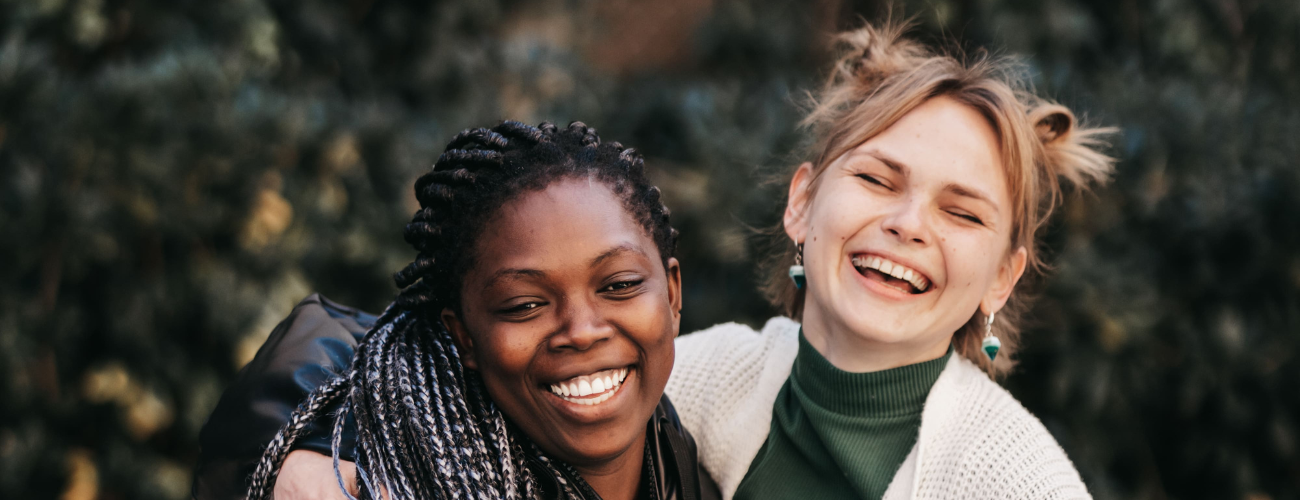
column 1029, row 462
column 1038, row 468
column 988, row 446
column 723, row 384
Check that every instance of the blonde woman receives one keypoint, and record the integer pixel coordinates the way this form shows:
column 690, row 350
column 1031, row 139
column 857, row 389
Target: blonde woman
column 908, row 230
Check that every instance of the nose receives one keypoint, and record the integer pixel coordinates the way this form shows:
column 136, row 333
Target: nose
column 583, row 327
column 906, row 221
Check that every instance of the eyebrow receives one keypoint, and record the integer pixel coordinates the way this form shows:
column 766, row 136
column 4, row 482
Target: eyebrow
column 952, row 187
column 618, row 250
column 523, row 273
column 889, row 161
column 970, row 192
column 512, row 274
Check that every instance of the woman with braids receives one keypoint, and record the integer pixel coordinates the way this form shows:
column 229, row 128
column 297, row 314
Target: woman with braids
column 903, row 240
column 524, row 358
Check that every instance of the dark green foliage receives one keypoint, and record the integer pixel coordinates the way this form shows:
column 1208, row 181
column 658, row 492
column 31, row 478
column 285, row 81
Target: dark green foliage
column 174, row 175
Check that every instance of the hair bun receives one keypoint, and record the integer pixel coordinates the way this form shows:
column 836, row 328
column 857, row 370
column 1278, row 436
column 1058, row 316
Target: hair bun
column 873, row 54
column 1071, row 150
column 1052, row 122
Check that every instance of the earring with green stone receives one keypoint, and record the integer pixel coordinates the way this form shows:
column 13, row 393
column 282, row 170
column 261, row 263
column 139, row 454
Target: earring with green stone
column 796, row 271
column 991, row 344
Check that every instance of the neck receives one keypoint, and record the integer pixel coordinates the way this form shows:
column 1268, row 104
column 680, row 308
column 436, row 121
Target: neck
column 617, row 479
column 851, row 352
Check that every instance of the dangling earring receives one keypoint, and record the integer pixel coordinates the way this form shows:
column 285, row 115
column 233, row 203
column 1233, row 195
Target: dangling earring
column 991, row 344
column 796, row 271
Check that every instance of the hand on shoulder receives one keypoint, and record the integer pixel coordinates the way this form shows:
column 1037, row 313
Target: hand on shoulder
column 307, row 475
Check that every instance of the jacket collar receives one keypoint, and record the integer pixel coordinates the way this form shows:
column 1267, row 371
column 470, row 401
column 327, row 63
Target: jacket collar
column 670, row 470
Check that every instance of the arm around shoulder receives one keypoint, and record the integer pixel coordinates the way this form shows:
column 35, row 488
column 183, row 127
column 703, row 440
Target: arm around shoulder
column 724, row 382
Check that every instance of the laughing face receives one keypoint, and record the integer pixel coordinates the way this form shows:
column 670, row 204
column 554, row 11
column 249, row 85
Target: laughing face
column 905, row 237
column 569, row 315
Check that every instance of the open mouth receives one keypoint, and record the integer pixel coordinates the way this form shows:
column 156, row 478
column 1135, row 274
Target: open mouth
column 892, row 274
column 592, row 389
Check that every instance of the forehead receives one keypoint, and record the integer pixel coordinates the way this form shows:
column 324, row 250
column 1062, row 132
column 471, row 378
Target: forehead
column 944, row 141
column 563, row 225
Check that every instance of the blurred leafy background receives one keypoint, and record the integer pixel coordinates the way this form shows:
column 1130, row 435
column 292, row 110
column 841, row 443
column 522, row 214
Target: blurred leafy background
column 176, row 174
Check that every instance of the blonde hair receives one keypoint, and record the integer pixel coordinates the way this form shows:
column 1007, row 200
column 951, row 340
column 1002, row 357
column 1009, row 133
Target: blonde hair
column 879, row 76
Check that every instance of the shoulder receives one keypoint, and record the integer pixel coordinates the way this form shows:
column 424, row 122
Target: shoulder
column 977, row 434
column 312, row 344
column 738, row 340
column 674, row 445
column 731, row 355
column 724, row 382
column 318, row 317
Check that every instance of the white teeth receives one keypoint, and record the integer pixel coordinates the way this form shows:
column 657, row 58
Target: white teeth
column 891, row 268
column 593, row 401
column 601, row 384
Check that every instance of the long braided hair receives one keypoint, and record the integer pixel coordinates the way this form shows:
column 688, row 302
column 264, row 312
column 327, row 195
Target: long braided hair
column 426, row 427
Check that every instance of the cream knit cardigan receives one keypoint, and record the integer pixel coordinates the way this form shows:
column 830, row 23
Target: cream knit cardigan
column 976, row 441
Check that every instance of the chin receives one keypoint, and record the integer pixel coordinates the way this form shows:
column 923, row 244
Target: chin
column 874, row 334
column 597, row 448
column 881, row 324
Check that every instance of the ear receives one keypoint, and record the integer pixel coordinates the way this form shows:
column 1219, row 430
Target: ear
column 464, row 343
column 1008, row 275
column 796, row 206
column 675, row 292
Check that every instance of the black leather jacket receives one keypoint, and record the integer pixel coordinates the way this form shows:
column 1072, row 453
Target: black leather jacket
column 314, row 344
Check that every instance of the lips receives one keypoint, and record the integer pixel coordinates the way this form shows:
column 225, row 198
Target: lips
column 891, row 273
column 591, row 389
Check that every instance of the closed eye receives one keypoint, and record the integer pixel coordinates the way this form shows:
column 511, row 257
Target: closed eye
column 872, row 179
column 969, row 217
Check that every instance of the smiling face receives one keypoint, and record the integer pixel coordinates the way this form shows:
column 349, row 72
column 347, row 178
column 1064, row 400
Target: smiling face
column 569, row 315
column 906, row 236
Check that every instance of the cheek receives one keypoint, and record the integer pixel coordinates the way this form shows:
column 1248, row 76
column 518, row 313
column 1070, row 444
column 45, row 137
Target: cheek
column 503, row 364
column 844, row 210
column 649, row 324
column 970, row 260
column 504, row 356
column 833, row 217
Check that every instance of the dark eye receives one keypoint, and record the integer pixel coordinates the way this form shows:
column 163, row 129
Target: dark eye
column 621, row 286
column 521, row 309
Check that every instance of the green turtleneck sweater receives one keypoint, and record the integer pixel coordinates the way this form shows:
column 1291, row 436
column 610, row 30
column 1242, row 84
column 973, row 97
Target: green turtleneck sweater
column 837, row 434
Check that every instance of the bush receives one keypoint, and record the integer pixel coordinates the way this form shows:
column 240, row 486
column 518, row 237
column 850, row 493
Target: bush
column 175, row 175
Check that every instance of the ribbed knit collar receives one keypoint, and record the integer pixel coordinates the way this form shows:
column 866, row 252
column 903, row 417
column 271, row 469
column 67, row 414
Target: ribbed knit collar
column 892, row 392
